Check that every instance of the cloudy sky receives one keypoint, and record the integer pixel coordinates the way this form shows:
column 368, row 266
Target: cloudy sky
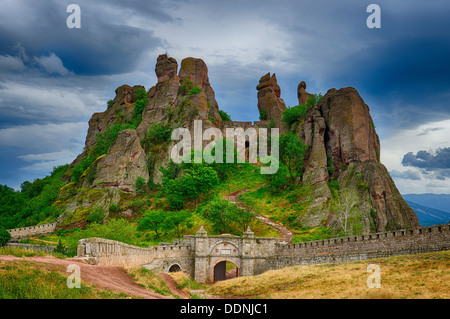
column 53, row 78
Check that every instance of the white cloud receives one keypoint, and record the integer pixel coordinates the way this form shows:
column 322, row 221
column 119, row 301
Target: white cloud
column 46, row 161
column 48, row 100
column 40, row 139
column 52, row 64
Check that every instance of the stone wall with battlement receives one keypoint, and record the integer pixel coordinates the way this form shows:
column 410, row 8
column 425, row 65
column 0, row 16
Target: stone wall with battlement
column 25, row 232
column 378, row 245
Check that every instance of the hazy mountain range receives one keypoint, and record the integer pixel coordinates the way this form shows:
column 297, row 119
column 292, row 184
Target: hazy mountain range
column 432, row 209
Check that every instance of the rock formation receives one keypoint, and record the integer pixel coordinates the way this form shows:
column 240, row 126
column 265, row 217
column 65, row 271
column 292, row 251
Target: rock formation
column 345, row 148
column 302, row 95
column 342, row 166
column 270, row 103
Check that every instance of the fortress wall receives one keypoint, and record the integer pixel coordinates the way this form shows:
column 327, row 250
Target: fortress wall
column 378, row 245
column 107, row 252
column 25, row 232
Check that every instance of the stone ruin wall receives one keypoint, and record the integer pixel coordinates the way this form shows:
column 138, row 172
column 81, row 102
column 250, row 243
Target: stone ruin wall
column 25, row 232
column 106, row 252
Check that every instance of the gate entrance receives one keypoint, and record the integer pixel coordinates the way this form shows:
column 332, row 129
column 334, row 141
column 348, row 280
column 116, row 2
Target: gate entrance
column 224, row 270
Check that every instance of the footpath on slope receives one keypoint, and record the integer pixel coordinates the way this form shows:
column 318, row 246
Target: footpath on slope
column 111, row 278
column 285, row 234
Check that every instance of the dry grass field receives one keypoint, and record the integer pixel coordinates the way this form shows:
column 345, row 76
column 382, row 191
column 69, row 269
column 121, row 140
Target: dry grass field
column 422, row 276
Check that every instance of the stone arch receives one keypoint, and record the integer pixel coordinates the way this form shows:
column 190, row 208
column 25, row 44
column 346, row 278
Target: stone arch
column 218, row 269
column 175, row 268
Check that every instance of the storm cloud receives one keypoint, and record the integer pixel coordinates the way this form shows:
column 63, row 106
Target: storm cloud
column 436, row 163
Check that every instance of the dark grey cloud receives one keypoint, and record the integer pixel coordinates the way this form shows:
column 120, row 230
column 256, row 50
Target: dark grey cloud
column 436, row 164
column 423, row 159
column 409, row 174
column 105, row 44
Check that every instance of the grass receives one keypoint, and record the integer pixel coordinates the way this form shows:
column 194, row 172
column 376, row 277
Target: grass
column 283, row 208
column 311, row 234
column 24, row 252
column 23, row 280
column 423, row 276
column 149, row 280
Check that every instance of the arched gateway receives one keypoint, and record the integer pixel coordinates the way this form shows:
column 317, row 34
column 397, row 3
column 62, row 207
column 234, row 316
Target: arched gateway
column 204, row 257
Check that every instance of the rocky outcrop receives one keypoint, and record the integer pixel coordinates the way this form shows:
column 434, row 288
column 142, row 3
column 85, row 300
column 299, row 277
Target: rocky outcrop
column 270, row 103
column 162, row 96
column 118, row 112
column 345, row 153
column 123, row 164
column 302, row 95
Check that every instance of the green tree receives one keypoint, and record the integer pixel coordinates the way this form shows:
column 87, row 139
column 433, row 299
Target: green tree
column 292, row 154
column 152, row 220
column 278, row 180
column 194, row 181
column 226, row 217
column 177, row 221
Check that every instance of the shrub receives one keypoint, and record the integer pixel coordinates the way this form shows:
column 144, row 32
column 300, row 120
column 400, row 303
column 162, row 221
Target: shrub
column 114, row 208
column 96, row 216
column 194, row 90
column 263, row 115
column 158, row 134
column 60, row 248
column 224, row 115
column 110, row 103
column 141, row 95
column 293, row 114
column 278, row 180
column 185, row 87
column 313, row 99
column 140, row 184
column 5, row 236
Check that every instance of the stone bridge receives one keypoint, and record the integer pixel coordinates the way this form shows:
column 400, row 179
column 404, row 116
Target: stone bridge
column 203, row 257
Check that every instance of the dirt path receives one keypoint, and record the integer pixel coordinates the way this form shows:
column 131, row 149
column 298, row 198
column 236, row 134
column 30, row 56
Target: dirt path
column 112, row 278
column 173, row 286
column 285, row 234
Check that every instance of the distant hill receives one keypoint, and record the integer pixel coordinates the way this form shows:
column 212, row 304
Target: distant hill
column 436, row 201
column 429, row 216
